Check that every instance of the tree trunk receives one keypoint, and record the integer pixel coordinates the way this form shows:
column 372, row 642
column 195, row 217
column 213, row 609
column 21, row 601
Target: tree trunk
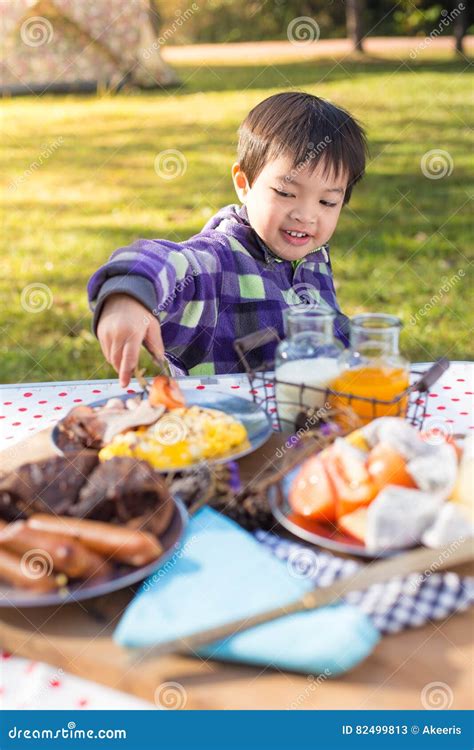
column 155, row 16
column 354, row 23
column 460, row 28
column 152, row 69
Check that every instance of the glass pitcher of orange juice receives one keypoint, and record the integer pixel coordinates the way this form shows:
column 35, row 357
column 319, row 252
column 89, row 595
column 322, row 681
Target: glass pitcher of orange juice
column 372, row 369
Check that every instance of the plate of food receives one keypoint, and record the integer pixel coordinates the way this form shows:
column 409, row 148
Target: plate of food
column 170, row 428
column 380, row 490
column 72, row 528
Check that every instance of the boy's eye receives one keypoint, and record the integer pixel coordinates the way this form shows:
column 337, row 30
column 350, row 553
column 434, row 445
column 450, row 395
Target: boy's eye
column 328, row 204
column 283, row 194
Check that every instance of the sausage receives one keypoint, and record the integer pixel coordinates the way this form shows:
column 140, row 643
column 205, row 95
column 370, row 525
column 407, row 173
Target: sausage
column 129, row 546
column 66, row 554
column 25, row 573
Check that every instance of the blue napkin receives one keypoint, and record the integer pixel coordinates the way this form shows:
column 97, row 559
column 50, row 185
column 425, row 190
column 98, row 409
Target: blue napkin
column 221, row 573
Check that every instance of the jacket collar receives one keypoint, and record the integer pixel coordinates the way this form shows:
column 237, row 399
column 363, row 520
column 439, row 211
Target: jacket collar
column 233, row 220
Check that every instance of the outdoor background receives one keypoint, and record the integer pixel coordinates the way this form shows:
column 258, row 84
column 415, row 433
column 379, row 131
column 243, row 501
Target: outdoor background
column 87, row 173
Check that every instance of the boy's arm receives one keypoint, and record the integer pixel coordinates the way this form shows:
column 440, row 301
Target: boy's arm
column 178, row 283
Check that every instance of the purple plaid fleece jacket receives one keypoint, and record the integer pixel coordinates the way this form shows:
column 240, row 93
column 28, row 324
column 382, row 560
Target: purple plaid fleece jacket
column 220, row 284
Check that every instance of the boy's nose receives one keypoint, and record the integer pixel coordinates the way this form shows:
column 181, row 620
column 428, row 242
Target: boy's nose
column 307, row 218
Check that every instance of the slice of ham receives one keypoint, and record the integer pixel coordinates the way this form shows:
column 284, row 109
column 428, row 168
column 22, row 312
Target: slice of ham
column 94, row 427
column 129, row 419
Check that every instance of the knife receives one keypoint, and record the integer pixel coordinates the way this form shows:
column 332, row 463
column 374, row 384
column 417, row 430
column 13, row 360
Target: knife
column 417, row 561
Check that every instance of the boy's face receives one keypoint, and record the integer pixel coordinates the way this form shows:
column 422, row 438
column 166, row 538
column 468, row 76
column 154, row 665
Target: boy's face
column 284, row 199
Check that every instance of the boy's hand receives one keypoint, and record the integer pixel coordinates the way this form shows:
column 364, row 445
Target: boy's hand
column 124, row 325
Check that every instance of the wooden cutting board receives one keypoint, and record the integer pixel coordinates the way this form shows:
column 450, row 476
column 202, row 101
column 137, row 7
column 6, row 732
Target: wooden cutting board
column 78, row 638
column 33, row 448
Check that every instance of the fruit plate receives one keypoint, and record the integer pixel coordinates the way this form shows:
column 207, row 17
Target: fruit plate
column 122, row 576
column 319, row 534
column 253, row 417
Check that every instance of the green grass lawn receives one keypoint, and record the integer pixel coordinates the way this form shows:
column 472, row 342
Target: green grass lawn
column 402, row 239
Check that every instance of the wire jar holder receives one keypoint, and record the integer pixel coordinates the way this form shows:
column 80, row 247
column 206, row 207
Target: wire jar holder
column 410, row 403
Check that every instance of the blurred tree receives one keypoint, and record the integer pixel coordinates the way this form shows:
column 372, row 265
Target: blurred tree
column 354, row 23
column 460, row 28
column 259, row 20
column 155, row 16
column 424, row 16
column 150, row 41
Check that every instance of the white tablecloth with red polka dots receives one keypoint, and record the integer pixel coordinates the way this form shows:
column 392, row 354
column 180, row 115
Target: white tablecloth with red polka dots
column 25, row 409
column 33, row 685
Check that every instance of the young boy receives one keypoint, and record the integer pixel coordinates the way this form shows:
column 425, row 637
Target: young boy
column 299, row 157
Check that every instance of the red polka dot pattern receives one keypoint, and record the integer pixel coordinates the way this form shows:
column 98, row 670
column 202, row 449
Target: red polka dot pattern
column 451, row 397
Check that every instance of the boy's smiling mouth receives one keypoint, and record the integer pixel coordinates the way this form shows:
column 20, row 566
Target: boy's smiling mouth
column 294, row 237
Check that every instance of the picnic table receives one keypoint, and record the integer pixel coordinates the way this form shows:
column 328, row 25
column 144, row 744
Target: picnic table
column 77, row 638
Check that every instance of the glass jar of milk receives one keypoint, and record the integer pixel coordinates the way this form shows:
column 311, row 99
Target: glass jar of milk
column 305, row 360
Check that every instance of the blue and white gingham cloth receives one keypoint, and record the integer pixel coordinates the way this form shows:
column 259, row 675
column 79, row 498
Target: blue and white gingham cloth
column 403, row 602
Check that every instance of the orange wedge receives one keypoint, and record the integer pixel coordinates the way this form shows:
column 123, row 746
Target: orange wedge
column 312, row 493
column 353, row 484
column 355, row 524
column 386, row 466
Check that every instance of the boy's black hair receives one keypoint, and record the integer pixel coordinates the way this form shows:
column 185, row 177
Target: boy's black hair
column 309, row 129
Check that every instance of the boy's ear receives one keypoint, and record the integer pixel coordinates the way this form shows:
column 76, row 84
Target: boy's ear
column 240, row 181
